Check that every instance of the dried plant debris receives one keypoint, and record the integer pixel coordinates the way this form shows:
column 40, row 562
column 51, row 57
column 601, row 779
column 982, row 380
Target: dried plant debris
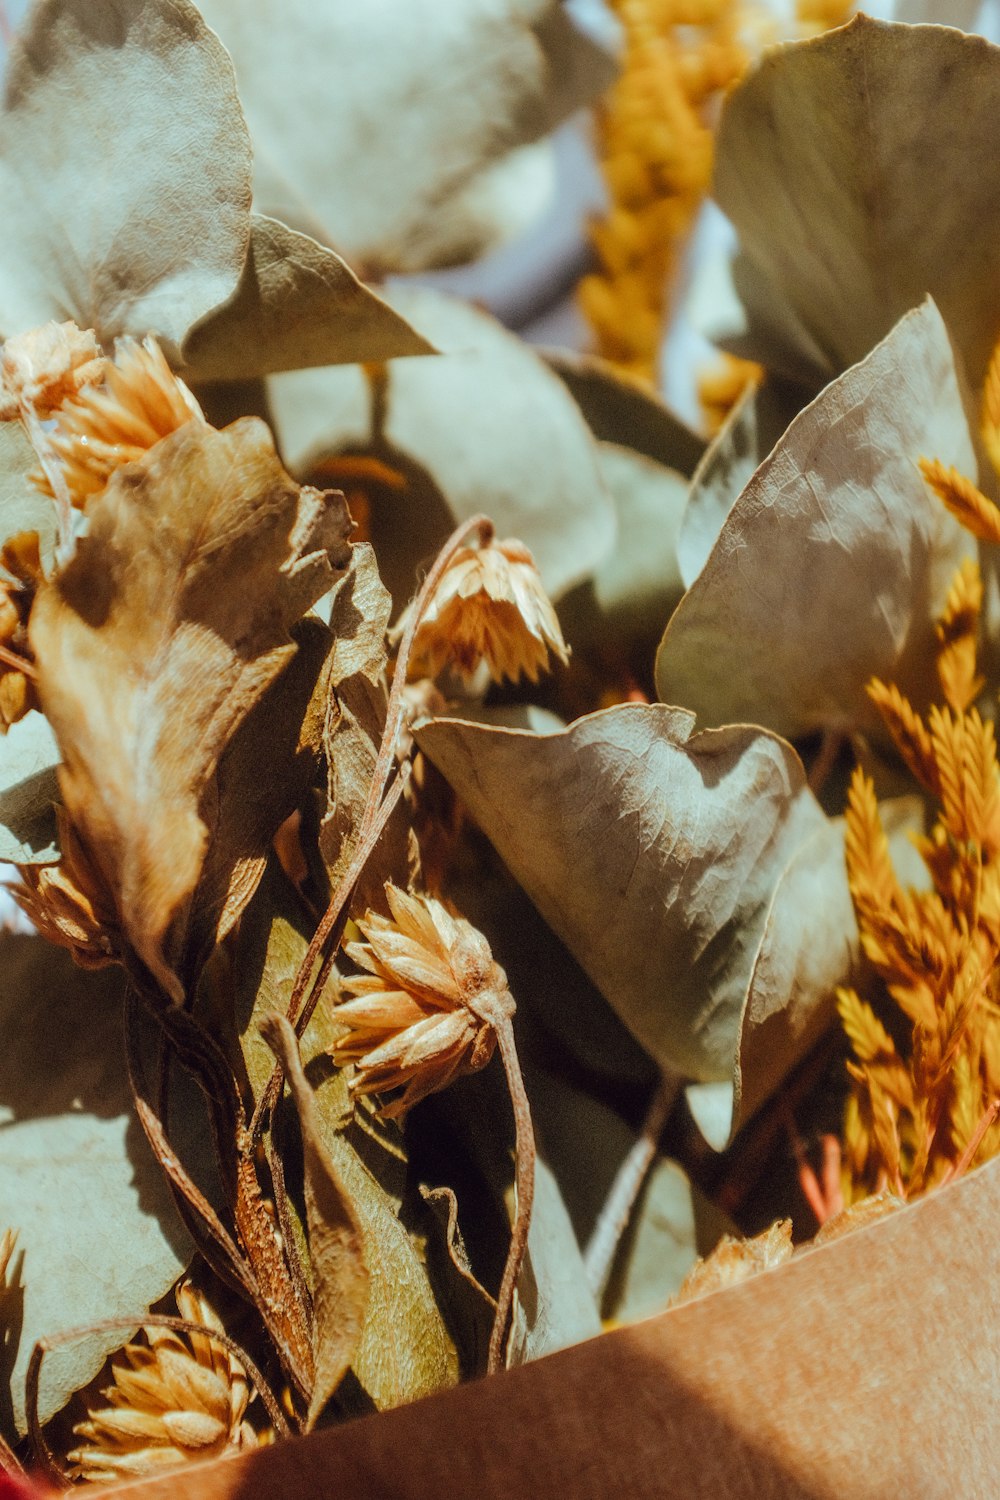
column 466, row 818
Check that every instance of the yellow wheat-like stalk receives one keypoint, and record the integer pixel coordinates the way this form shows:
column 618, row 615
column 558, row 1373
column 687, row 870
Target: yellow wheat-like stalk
column 965, row 500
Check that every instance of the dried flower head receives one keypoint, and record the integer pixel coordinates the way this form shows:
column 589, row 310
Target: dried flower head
column 427, row 1009
column 735, row 1260
column 46, row 366
column 490, row 606
column 103, row 427
column 175, row 1398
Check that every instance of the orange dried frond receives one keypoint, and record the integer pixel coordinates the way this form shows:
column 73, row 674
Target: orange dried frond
column 872, row 879
column 966, row 502
column 990, row 420
column 957, row 631
column 865, row 1031
column 909, row 733
column 966, row 757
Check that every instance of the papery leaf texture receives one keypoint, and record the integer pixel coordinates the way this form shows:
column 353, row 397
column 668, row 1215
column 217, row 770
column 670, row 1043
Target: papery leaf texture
column 125, row 170
column 154, row 643
column 98, row 1234
column 336, row 1239
column 389, row 165
column 835, row 560
column 828, row 161
column 657, row 855
column 554, row 1306
column 464, row 430
column 297, row 305
column 22, row 506
column 405, row 1350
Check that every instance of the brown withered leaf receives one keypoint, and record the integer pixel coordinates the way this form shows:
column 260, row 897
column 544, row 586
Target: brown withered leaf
column 835, row 560
column 405, row 1350
column 656, row 855
column 297, row 305
column 359, row 618
column 126, row 179
column 336, row 1249
column 154, row 643
column 464, row 430
column 824, row 161
column 389, row 164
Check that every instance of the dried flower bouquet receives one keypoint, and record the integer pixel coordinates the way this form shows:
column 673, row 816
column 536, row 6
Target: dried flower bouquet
column 491, row 863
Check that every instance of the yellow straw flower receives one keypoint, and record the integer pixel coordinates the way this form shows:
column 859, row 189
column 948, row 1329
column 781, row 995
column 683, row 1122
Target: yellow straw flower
column 176, row 1398
column 490, row 606
column 46, row 366
column 103, row 427
column 425, row 1012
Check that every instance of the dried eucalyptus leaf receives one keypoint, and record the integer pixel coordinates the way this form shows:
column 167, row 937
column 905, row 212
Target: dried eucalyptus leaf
column 640, row 582
column 654, row 853
column 554, row 1306
column 96, row 1223
column 29, row 790
column 385, row 161
column 728, row 464
column 297, row 305
column 405, row 1350
column 824, row 161
column 154, row 643
column 125, row 170
column 672, row 1224
column 336, row 1250
column 465, row 430
column 835, row 560
column 359, row 618
column 22, row 506
column 618, row 410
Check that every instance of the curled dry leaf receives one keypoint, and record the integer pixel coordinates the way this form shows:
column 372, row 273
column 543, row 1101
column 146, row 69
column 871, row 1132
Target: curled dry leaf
column 405, row 1350
column 835, row 560
column 389, row 165
column 336, row 1238
column 155, row 642
column 97, row 1226
column 297, row 305
column 824, row 158
column 124, row 170
column 359, row 618
column 658, row 856
column 465, row 430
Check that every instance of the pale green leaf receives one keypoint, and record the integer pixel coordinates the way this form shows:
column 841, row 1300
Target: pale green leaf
column 124, row 170
column 465, row 430
column 831, row 159
column 97, row 1228
column 835, row 560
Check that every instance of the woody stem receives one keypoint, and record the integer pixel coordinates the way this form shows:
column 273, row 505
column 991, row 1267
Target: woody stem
column 524, row 1189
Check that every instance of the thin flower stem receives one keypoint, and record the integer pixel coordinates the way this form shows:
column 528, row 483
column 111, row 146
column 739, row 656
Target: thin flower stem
column 617, row 1210
column 9, row 1461
column 524, row 1189
column 19, row 663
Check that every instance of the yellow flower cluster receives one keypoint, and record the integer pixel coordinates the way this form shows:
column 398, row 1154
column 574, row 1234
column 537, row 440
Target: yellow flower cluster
column 655, row 145
column 923, row 1112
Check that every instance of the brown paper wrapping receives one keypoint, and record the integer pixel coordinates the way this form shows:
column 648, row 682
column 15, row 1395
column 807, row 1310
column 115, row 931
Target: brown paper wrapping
column 869, row 1367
